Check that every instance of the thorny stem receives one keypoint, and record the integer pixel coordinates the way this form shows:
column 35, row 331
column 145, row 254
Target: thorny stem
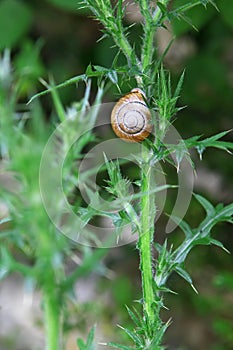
column 145, row 240
column 151, row 20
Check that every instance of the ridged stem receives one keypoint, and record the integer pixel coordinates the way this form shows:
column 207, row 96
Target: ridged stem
column 145, row 240
column 52, row 322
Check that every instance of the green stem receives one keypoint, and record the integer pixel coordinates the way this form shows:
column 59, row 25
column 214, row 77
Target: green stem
column 150, row 25
column 145, row 240
column 123, row 43
column 52, row 322
column 148, row 49
column 158, row 12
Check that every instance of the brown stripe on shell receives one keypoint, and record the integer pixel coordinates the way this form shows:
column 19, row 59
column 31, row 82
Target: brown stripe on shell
column 134, row 107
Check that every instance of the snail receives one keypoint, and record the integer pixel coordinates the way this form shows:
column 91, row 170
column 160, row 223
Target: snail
column 131, row 118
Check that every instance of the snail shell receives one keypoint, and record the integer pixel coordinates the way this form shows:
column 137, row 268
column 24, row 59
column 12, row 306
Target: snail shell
column 131, row 118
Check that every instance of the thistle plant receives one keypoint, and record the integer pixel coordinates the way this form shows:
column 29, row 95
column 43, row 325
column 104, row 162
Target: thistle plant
column 39, row 239
column 149, row 75
column 25, row 227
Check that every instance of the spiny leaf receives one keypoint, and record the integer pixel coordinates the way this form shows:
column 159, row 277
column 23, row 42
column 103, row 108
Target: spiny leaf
column 89, row 344
column 213, row 141
column 135, row 317
column 167, row 100
column 162, row 56
column 179, row 85
column 216, row 137
column 90, row 338
column 74, row 80
column 121, row 347
column 159, row 334
column 184, row 274
column 206, row 2
column 100, row 71
column 209, row 208
column 184, row 226
column 162, row 289
column 220, row 214
column 218, row 244
column 162, row 7
column 227, row 211
column 91, row 71
column 141, row 194
column 192, row 141
column 134, row 336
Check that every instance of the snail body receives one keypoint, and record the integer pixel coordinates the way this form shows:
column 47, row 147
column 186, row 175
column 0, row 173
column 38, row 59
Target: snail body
column 131, row 118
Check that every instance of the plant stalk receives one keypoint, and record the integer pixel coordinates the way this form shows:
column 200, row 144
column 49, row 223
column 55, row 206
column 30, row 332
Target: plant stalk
column 148, row 48
column 52, row 322
column 145, row 240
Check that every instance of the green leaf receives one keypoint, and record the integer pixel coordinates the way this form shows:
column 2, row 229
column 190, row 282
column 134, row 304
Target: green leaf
column 179, row 85
column 98, row 71
column 198, row 16
column 112, row 75
column 210, row 141
column 209, row 208
column 134, row 336
column 91, row 71
column 15, row 21
column 167, row 100
column 119, row 346
column 213, row 142
column 192, row 141
column 90, row 339
column 184, row 226
column 141, row 194
column 158, row 337
column 89, row 344
column 218, row 244
column 74, row 80
column 180, row 153
column 81, row 344
column 162, row 7
column 95, row 71
column 184, row 274
column 135, row 317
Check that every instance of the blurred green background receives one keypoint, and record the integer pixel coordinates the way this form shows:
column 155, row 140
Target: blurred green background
column 56, row 38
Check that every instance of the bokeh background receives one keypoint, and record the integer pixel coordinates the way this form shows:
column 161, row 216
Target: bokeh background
column 56, row 38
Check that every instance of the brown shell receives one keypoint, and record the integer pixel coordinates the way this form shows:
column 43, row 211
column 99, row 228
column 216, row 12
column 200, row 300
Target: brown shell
column 131, row 118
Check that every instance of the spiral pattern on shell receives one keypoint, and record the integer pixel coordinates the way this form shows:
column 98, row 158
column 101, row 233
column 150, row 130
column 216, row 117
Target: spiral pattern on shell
column 131, row 118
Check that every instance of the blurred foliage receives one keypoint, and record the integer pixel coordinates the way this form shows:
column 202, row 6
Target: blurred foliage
column 68, row 5
column 55, row 38
column 15, row 22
